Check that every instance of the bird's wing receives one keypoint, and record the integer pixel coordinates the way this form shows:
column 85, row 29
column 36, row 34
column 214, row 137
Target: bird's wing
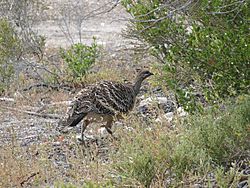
column 79, row 108
column 82, row 102
column 103, row 98
column 114, row 97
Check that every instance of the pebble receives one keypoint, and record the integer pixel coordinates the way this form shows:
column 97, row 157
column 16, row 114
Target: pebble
column 161, row 102
column 102, row 131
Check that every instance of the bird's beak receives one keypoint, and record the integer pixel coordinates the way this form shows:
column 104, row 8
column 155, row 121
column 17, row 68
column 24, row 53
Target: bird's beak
column 151, row 73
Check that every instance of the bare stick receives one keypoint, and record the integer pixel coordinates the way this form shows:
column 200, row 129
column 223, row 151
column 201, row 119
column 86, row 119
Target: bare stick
column 28, row 178
column 54, row 87
column 50, row 116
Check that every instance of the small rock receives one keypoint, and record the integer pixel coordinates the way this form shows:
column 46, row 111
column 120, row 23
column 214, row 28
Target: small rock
column 181, row 112
column 158, row 92
column 102, row 131
column 128, row 128
column 166, row 117
column 143, row 109
column 119, row 123
column 57, row 143
column 64, row 129
column 197, row 185
column 86, row 137
column 162, row 103
column 167, row 106
column 169, row 116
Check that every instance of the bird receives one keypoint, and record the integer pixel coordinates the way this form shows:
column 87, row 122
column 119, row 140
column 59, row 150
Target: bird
column 105, row 101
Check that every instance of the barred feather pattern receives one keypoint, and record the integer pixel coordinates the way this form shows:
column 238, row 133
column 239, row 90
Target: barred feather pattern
column 104, row 98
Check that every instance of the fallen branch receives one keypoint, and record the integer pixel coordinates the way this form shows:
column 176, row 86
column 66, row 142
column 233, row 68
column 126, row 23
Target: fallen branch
column 50, row 116
column 49, row 86
column 28, row 178
column 59, row 103
column 95, row 12
column 5, row 99
column 44, row 106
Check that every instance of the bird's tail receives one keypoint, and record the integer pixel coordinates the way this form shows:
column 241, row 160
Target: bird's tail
column 70, row 121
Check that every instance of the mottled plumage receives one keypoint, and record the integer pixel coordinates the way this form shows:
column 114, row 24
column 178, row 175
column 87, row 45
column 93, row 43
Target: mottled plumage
column 104, row 102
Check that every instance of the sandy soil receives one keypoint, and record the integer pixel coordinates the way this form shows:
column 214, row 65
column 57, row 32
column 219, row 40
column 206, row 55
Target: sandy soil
column 106, row 27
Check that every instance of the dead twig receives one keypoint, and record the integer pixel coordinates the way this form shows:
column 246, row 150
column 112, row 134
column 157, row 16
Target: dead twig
column 44, row 106
column 28, row 178
column 50, row 86
column 50, row 116
column 73, row 17
column 67, row 103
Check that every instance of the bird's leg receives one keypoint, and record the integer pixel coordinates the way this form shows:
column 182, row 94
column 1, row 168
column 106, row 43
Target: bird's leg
column 83, row 127
column 109, row 131
column 108, row 127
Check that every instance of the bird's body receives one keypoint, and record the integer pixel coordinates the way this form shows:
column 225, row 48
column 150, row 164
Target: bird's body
column 104, row 102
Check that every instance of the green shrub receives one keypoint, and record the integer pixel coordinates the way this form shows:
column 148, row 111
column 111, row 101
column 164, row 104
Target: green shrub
column 204, row 45
column 220, row 137
column 211, row 143
column 9, row 50
column 79, row 58
column 141, row 158
column 142, row 168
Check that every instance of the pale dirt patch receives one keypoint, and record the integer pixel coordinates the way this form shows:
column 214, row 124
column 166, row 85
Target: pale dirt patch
column 106, row 27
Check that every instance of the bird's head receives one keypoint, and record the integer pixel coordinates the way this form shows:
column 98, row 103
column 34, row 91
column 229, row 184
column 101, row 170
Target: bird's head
column 144, row 74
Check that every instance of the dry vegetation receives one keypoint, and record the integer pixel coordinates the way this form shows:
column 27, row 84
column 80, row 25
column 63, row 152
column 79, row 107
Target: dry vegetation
column 201, row 150
column 146, row 154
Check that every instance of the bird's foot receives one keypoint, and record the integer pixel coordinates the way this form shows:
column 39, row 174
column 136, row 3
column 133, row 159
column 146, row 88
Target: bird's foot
column 80, row 140
column 83, row 138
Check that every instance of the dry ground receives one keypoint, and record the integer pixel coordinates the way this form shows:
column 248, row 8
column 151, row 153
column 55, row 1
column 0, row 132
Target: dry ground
column 33, row 152
column 106, row 26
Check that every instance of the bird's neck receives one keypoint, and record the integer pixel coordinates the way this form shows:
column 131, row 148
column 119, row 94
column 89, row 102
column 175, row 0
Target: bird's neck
column 137, row 84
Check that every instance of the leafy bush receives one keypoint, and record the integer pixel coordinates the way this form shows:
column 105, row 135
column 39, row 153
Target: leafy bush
column 141, row 158
column 204, row 45
column 9, row 50
column 213, row 143
column 218, row 138
column 79, row 58
column 142, row 169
